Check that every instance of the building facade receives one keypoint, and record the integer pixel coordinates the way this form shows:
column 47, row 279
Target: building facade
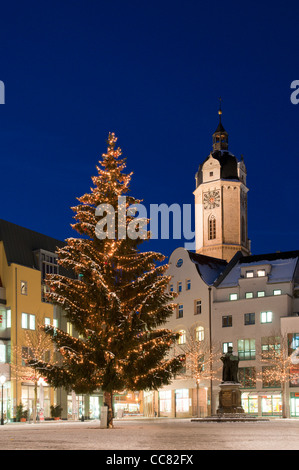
column 228, row 297
column 25, row 259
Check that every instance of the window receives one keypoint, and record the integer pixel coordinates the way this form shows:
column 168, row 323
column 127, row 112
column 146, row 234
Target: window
column 5, row 349
column 179, row 286
column 171, row 288
column 211, row 173
column 233, row 296
column 5, row 318
column 180, row 311
column 69, row 328
column 249, row 295
column 26, row 354
column 277, row 292
column 225, row 347
column 197, row 307
column 249, row 318
column 179, row 263
column 47, row 321
column 212, row 228
column 269, row 378
column 182, row 338
column 249, row 273
column 188, row 284
column 261, row 293
column 227, row 320
column 261, row 272
column 165, row 401
column 246, row 349
column 199, row 333
column 28, row 321
column 24, row 287
column 270, row 345
column 182, row 400
column 266, row 317
column 247, row 377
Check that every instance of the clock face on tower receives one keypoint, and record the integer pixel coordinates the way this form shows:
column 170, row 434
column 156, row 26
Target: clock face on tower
column 211, row 199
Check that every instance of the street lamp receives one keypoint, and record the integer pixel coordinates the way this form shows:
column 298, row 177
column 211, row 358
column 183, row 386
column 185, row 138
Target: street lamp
column 2, row 380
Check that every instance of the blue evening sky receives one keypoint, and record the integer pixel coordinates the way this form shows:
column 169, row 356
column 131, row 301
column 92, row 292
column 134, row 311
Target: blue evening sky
column 151, row 72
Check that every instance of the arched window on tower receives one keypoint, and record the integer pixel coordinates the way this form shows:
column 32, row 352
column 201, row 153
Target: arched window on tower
column 212, row 227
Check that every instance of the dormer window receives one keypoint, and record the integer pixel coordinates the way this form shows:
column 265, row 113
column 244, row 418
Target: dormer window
column 261, row 272
column 249, row 273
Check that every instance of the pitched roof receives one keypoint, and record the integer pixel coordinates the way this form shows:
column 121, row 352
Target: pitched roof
column 284, row 266
column 208, row 268
column 20, row 244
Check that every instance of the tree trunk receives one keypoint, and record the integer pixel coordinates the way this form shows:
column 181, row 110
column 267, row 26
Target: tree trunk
column 108, row 399
column 284, row 408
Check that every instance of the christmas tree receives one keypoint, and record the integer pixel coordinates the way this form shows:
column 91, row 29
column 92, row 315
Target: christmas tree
column 117, row 300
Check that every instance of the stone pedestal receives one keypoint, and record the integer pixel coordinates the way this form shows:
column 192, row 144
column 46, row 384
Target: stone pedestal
column 230, row 399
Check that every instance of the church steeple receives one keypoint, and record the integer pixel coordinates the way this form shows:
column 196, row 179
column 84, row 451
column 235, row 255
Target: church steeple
column 221, row 227
column 220, row 136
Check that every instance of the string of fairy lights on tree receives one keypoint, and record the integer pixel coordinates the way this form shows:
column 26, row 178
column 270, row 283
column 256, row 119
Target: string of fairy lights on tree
column 115, row 296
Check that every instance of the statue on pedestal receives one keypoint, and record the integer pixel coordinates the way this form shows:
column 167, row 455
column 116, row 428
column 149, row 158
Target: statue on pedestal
column 230, row 367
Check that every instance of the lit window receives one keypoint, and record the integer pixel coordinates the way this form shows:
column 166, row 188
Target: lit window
column 261, row 293
column 249, row 295
column 165, row 401
column 246, row 349
column 47, row 321
column 28, row 321
column 2, row 353
column 8, row 318
column 197, row 309
column 266, row 317
column 24, row 320
column 182, row 337
column 188, row 284
column 249, row 273
column 261, row 272
column 233, row 296
column 182, row 400
column 199, row 333
column 225, row 347
column 69, row 328
column 277, row 292
column 31, row 322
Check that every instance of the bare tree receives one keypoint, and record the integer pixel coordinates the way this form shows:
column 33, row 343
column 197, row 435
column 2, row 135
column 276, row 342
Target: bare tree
column 277, row 365
column 37, row 347
column 202, row 359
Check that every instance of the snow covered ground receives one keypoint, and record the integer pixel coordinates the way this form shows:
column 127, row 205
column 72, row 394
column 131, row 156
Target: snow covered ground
column 152, row 434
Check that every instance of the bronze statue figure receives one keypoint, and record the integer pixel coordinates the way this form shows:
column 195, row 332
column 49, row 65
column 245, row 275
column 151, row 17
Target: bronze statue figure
column 230, row 366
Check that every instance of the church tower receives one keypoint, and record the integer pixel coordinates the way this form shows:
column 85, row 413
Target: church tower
column 221, row 201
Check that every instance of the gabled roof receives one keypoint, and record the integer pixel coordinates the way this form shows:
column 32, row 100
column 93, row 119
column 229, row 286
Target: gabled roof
column 284, row 267
column 208, row 268
column 20, row 244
